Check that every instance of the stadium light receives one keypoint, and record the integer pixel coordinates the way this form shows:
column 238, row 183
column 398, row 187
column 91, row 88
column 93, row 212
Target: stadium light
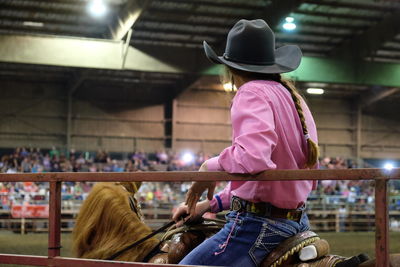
column 289, row 25
column 228, row 87
column 188, row 158
column 33, row 24
column 315, row 91
column 388, row 166
column 97, row 8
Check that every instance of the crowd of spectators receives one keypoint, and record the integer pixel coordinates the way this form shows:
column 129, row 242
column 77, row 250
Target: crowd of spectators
column 349, row 192
column 35, row 160
column 53, row 160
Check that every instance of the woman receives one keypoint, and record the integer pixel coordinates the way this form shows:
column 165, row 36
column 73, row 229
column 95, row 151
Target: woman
column 272, row 129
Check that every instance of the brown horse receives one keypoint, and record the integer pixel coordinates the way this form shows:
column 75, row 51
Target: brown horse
column 110, row 220
column 106, row 224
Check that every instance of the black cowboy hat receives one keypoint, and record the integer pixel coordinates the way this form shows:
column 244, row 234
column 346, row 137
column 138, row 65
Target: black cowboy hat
column 250, row 46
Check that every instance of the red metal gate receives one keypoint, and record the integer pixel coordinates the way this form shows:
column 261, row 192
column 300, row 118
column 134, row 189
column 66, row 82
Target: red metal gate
column 380, row 176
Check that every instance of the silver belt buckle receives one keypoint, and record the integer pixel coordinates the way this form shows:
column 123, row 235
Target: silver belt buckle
column 236, row 204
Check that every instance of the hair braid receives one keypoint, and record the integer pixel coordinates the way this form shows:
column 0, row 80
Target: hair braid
column 297, row 103
column 313, row 151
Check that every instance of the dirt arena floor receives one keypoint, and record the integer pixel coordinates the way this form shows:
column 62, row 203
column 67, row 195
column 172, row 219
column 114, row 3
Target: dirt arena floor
column 346, row 244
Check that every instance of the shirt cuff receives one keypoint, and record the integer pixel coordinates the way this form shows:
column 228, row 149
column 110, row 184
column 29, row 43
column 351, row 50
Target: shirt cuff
column 216, row 204
column 213, row 164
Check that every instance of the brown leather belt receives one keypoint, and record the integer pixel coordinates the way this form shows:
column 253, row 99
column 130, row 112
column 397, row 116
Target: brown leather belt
column 264, row 209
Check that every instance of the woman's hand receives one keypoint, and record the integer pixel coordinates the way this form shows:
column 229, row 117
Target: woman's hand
column 197, row 189
column 195, row 192
column 180, row 213
column 201, row 208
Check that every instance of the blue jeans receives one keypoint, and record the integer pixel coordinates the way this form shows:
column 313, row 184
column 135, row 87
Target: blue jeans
column 245, row 240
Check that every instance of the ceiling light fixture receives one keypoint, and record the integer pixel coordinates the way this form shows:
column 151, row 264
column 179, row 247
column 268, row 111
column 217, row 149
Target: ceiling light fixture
column 97, row 8
column 229, row 88
column 289, row 24
column 33, row 24
column 315, row 91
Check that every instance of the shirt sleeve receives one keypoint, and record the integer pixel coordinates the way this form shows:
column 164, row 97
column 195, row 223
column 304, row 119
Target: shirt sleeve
column 221, row 201
column 213, row 165
column 254, row 136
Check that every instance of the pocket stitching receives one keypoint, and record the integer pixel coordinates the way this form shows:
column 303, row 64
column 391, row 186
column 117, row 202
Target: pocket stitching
column 259, row 243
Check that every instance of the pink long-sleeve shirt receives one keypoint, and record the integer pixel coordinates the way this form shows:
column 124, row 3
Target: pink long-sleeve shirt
column 266, row 135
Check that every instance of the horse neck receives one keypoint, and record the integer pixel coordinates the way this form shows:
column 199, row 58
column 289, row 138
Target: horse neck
column 106, row 225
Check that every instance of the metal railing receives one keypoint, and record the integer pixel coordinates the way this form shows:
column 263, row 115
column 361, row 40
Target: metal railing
column 380, row 176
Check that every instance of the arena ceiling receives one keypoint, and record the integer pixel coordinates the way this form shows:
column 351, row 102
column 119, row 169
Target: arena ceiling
column 168, row 35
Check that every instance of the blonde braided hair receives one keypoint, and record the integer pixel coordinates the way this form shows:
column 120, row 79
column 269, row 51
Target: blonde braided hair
column 312, row 147
column 313, row 151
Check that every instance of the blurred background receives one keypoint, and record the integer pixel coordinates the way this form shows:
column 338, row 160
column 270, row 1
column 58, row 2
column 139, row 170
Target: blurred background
column 123, row 85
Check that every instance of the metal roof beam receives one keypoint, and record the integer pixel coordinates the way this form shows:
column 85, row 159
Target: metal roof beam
column 390, row 48
column 97, row 54
column 44, row 6
column 249, row 5
column 76, row 52
column 330, row 34
column 201, row 20
column 180, row 20
column 276, row 12
column 160, row 29
column 178, row 35
column 41, row 9
column 332, row 25
column 163, row 12
column 371, row 40
column 305, row 47
column 79, row 79
column 373, row 96
column 337, row 15
column 293, row 40
column 129, row 16
column 170, row 28
column 45, row 17
column 168, row 43
column 206, row 26
column 52, row 28
column 387, row 55
column 366, row 6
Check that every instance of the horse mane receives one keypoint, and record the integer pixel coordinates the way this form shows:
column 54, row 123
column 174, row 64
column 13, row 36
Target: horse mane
column 106, row 224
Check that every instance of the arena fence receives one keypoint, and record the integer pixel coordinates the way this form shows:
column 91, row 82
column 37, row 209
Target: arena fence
column 380, row 176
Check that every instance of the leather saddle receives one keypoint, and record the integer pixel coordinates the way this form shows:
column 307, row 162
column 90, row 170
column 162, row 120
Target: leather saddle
column 287, row 253
column 177, row 245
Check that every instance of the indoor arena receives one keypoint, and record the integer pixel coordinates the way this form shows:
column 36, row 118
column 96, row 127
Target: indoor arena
column 237, row 133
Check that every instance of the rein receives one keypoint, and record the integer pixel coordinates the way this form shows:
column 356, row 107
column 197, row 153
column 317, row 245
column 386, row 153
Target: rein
column 159, row 230
column 133, row 205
